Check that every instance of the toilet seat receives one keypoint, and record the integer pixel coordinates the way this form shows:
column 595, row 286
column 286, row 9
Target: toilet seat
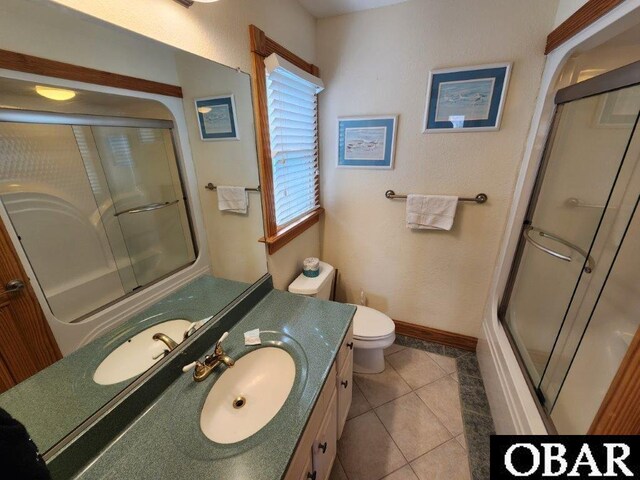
column 372, row 325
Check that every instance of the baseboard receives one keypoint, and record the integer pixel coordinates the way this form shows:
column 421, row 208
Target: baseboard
column 434, row 335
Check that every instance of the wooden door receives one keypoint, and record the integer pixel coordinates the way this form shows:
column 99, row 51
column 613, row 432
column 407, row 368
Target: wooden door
column 26, row 342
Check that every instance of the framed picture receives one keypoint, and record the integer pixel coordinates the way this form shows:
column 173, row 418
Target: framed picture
column 466, row 99
column 217, row 118
column 366, row 142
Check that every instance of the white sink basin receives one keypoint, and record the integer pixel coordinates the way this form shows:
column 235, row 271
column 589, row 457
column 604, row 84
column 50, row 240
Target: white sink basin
column 247, row 396
column 136, row 355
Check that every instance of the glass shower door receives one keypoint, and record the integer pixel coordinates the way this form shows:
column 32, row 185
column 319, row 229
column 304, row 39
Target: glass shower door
column 141, row 173
column 560, row 261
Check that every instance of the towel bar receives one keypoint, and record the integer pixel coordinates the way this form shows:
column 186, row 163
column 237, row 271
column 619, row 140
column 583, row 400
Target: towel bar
column 480, row 198
column 211, row 186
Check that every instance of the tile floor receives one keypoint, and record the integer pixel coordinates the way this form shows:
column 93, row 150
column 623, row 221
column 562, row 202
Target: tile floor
column 408, row 423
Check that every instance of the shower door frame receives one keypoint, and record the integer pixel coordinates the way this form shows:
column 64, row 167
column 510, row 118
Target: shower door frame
column 623, row 77
column 8, row 115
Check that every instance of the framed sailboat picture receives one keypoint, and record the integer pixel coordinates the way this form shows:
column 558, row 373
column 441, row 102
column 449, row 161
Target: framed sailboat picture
column 466, row 99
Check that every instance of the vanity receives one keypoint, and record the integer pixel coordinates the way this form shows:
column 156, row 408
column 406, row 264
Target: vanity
column 299, row 442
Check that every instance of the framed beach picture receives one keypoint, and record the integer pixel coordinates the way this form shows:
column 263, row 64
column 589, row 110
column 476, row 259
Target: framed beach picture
column 466, row 99
column 217, row 118
column 366, row 142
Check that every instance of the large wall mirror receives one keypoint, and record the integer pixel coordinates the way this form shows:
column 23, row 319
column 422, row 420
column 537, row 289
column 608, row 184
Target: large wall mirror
column 118, row 239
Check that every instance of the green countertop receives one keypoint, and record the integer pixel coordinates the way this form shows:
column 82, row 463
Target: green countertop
column 56, row 400
column 165, row 441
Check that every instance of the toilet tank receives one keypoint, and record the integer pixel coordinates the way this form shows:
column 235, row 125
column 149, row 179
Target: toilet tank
column 318, row 287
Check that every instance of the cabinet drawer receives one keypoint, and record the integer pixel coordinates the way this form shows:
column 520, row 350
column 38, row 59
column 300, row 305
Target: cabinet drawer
column 303, row 454
column 344, row 385
column 325, row 446
column 346, row 348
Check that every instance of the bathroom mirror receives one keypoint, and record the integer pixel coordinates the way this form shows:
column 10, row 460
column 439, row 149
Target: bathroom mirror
column 115, row 246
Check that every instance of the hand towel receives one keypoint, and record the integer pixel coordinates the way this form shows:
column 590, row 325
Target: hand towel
column 431, row 212
column 233, row 199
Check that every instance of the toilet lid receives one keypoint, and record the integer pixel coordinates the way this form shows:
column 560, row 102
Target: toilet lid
column 370, row 324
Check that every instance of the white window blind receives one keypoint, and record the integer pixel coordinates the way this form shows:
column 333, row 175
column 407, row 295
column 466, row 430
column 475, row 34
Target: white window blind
column 292, row 102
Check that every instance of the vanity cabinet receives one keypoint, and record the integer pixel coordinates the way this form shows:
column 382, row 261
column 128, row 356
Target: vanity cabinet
column 318, row 446
column 344, row 380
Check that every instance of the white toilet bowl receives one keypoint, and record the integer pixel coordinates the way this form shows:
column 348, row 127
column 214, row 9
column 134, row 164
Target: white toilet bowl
column 373, row 331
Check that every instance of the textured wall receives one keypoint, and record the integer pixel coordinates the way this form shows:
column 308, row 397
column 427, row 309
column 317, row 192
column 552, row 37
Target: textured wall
column 378, row 62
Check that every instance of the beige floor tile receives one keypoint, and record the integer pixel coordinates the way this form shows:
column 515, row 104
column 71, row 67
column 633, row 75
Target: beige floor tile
column 359, row 404
column 366, row 450
column 337, row 473
column 447, row 462
column 405, row 473
column 448, row 364
column 382, row 387
column 393, row 349
column 462, row 440
column 416, row 367
column 414, row 428
column 443, row 399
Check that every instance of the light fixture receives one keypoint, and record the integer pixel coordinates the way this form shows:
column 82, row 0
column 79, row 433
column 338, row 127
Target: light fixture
column 52, row 93
column 188, row 3
column 204, row 110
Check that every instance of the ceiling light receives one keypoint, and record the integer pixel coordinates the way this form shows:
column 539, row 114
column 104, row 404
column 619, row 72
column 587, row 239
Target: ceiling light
column 52, row 93
column 204, row 110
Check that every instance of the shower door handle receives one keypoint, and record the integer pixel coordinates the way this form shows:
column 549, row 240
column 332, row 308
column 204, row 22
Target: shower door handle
column 590, row 263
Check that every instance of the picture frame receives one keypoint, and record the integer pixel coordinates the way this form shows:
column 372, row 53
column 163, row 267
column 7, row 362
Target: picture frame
column 367, row 142
column 466, row 99
column 217, row 118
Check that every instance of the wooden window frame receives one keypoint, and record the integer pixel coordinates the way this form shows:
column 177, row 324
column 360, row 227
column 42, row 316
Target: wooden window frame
column 261, row 47
column 581, row 19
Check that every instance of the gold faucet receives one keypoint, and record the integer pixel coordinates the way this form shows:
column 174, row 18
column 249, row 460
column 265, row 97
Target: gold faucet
column 168, row 341
column 204, row 369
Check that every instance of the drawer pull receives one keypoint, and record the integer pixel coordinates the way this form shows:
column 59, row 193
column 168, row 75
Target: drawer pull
column 344, row 383
column 323, row 447
column 350, row 345
column 312, row 476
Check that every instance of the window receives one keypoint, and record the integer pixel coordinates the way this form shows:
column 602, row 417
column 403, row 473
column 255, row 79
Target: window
column 292, row 107
column 286, row 89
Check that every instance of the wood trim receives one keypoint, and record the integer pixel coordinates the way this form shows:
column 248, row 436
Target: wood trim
column 581, row 19
column 434, row 335
column 261, row 47
column 51, row 68
column 285, row 235
column 619, row 413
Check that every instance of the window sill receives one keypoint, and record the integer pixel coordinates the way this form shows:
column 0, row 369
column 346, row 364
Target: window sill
column 288, row 233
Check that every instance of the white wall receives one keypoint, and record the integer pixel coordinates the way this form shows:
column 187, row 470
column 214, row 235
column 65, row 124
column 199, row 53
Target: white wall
column 566, row 8
column 378, row 62
column 219, row 31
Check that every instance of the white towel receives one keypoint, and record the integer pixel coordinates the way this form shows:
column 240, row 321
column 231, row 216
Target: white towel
column 233, row 199
column 431, row 212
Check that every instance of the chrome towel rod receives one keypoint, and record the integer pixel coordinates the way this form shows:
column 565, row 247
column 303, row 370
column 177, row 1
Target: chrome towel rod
column 211, row 186
column 480, row 198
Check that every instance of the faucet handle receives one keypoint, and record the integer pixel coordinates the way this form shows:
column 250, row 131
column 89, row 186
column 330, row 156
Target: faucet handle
column 224, row 335
column 186, row 368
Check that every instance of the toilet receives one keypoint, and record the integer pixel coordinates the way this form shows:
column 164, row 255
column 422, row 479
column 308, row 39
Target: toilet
column 373, row 331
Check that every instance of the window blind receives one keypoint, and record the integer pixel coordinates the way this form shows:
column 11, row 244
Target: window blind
column 292, row 103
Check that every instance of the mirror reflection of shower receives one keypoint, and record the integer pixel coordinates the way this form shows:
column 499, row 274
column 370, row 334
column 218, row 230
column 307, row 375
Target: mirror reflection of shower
column 97, row 202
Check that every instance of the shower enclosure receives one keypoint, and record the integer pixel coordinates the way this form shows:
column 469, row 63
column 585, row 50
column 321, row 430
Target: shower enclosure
column 568, row 307
column 96, row 202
